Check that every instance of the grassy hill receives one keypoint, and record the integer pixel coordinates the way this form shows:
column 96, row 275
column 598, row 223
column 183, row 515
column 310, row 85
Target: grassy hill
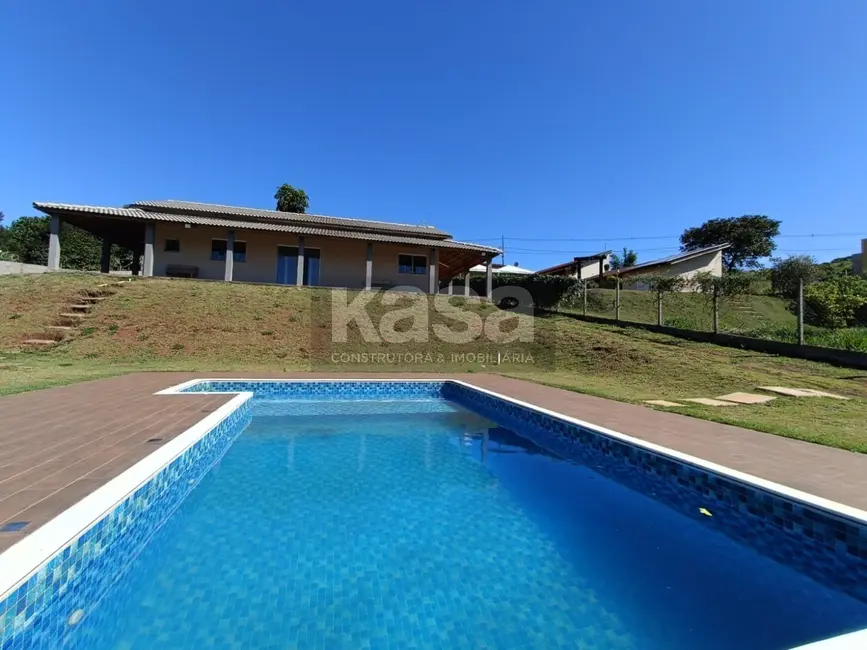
column 162, row 324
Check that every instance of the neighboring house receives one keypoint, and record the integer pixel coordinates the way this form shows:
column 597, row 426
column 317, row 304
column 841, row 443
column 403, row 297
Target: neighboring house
column 583, row 267
column 219, row 242
column 684, row 265
column 505, row 269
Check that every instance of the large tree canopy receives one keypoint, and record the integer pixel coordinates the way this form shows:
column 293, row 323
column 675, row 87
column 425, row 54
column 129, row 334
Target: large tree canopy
column 290, row 199
column 751, row 237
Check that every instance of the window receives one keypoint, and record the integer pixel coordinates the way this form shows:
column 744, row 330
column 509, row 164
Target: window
column 415, row 264
column 173, row 246
column 218, row 250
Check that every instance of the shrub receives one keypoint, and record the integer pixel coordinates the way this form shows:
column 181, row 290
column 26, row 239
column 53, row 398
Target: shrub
column 786, row 274
column 836, row 302
column 546, row 291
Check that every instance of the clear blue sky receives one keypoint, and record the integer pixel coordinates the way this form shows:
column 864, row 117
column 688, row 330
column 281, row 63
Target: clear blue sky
column 555, row 120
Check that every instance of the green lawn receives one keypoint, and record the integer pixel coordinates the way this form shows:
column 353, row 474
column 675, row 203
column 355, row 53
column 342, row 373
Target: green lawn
column 202, row 326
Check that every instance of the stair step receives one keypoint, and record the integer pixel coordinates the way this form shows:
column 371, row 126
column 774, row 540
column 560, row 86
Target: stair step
column 72, row 315
column 92, row 298
column 80, row 307
column 61, row 328
column 36, row 342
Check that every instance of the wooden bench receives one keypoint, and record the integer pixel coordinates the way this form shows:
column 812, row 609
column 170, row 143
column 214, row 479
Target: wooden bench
column 181, row 271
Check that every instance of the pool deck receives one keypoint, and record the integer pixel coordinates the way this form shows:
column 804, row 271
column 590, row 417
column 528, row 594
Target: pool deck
column 60, row 444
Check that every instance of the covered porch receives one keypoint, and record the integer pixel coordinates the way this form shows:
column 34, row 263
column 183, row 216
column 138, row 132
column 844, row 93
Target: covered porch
column 170, row 245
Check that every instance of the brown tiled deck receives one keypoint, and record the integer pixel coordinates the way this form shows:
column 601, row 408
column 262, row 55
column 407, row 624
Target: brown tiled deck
column 60, row 444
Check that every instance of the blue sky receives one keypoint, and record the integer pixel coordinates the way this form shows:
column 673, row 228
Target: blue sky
column 569, row 124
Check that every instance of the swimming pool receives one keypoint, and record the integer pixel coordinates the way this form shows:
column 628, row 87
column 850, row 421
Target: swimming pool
column 437, row 515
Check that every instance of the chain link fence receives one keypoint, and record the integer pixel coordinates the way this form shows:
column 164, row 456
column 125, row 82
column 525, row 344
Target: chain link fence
column 802, row 318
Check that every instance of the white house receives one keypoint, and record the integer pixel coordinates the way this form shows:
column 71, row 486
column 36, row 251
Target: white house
column 684, row 265
column 583, row 267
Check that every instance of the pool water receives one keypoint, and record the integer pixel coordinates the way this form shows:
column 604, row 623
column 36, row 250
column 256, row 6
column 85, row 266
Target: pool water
column 422, row 525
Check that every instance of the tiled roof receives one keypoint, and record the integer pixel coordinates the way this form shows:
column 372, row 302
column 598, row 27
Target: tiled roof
column 205, row 209
column 136, row 213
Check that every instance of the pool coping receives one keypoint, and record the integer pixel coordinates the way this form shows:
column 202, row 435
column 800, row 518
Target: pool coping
column 23, row 559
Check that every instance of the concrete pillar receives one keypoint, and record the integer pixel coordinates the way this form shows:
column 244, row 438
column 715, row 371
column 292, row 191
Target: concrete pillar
column 299, row 281
column 54, row 244
column 150, row 236
column 368, row 267
column 489, row 280
column 105, row 259
column 433, row 286
column 230, row 255
column 451, row 286
column 601, row 268
column 467, row 284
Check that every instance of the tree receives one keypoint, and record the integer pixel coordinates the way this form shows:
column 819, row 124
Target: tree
column 837, row 302
column 627, row 259
column 786, row 274
column 290, row 199
column 751, row 237
column 27, row 240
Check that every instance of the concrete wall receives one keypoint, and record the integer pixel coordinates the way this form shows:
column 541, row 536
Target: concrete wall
column 341, row 264
column 17, row 268
column 709, row 262
column 591, row 269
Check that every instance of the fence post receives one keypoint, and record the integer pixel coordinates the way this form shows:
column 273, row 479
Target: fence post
column 659, row 307
column 801, row 311
column 715, row 308
column 617, row 299
column 584, row 286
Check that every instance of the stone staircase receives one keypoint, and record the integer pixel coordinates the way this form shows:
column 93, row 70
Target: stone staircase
column 68, row 324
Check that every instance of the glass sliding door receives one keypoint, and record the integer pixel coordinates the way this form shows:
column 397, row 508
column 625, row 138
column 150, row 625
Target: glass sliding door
column 287, row 265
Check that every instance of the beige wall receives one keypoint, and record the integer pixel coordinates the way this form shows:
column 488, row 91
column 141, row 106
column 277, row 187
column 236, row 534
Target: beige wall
column 711, row 262
column 590, row 269
column 342, row 261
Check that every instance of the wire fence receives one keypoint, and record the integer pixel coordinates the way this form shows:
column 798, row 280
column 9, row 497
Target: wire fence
column 752, row 314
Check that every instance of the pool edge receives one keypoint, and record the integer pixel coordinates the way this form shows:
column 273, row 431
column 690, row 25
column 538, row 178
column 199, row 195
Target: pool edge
column 24, row 558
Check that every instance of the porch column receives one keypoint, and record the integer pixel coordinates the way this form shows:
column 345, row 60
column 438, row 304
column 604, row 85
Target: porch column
column 105, row 259
column 299, row 280
column 54, row 244
column 230, row 255
column 432, row 271
column 601, row 268
column 467, row 284
column 150, row 236
column 451, row 285
column 368, row 267
column 489, row 279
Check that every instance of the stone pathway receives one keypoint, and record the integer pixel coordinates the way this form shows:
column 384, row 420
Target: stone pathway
column 734, row 399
